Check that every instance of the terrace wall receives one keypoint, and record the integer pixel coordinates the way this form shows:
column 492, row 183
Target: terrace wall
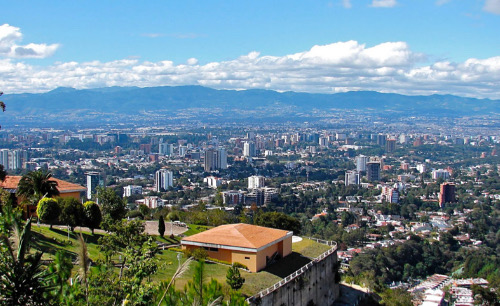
column 316, row 283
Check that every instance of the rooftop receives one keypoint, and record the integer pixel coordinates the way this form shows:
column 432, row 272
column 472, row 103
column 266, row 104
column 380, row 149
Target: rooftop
column 238, row 235
column 12, row 181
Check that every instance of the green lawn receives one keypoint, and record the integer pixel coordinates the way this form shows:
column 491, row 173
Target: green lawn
column 195, row 229
column 309, row 248
column 50, row 241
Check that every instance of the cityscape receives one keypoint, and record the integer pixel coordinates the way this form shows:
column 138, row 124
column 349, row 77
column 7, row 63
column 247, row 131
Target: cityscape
column 250, row 153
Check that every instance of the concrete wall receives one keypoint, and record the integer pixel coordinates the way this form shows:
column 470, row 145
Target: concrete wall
column 316, row 286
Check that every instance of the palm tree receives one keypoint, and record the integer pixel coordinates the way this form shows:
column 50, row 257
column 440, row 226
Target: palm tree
column 36, row 185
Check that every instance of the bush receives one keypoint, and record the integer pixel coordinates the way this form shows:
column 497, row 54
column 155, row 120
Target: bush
column 48, row 210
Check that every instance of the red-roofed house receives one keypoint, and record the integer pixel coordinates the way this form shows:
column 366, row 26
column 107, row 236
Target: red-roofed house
column 66, row 189
column 251, row 245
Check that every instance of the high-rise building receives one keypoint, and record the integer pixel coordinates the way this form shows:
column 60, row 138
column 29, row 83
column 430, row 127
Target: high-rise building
column 256, row 181
column 165, row 149
column 182, row 150
column 323, row 141
column 210, row 160
column 93, row 180
column 352, row 178
column 373, row 171
column 381, row 140
column 221, row 158
column 361, row 161
column 249, row 149
column 131, row 189
column 215, row 159
column 402, row 139
column 15, row 159
column 390, row 145
column 164, row 179
column 390, row 194
column 446, row 193
column 4, row 158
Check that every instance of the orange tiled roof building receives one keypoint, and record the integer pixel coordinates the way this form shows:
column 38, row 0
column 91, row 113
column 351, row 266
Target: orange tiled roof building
column 66, row 189
column 251, row 245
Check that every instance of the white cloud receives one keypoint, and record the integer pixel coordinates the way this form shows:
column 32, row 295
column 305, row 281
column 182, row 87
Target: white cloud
column 340, row 66
column 346, row 4
column 492, row 6
column 192, row 61
column 9, row 35
column 384, row 3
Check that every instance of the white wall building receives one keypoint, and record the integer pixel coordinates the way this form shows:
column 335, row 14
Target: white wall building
column 163, row 179
column 131, row 189
column 256, row 181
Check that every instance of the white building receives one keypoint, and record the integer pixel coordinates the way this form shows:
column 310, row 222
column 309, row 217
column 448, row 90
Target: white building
column 249, row 149
column 131, row 189
column 256, row 181
column 361, row 161
column 352, row 178
column 421, row 168
column 165, row 149
column 213, row 182
column 153, row 202
column 440, row 173
column 93, row 180
column 163, row 180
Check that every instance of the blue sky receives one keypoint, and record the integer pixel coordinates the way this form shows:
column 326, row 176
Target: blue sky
column 409, row 47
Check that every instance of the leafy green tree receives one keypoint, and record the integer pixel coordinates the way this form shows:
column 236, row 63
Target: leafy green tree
column 72, row 213
column 112, row 206
column 161, row 226
column 48, row 211
column 145, row 211
column 93, row 216
column 278, row 220
column 234, row 278
column 35, row 185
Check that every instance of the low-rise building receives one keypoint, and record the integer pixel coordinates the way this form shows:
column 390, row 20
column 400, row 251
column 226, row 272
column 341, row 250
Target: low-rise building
column 251, row 245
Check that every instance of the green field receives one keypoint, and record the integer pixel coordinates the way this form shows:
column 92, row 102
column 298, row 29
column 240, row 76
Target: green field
column 50, row 241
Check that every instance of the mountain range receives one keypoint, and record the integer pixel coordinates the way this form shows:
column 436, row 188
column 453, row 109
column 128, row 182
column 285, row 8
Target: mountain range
column 197, row 102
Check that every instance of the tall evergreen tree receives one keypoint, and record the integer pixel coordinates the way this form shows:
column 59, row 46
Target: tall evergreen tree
column 161, row 226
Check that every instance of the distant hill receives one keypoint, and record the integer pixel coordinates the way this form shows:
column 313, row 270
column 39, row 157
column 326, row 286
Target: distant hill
column 68, row 104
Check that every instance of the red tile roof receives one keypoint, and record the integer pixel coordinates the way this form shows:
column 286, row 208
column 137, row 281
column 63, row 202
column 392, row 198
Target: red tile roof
column 239, row 235
column 12, row 181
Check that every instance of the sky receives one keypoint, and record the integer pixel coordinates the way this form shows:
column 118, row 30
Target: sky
column 413, row 47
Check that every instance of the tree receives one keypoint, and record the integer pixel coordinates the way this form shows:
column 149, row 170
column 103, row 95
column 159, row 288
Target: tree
column 35, row 185
column 112, row 206
column 278, row 220
column 48, row 211
column 161, row 226
column 93, row 216
column 234, row 278
column 72, row 213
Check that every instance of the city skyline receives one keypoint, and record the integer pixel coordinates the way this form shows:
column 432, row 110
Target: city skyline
column 444, row 47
